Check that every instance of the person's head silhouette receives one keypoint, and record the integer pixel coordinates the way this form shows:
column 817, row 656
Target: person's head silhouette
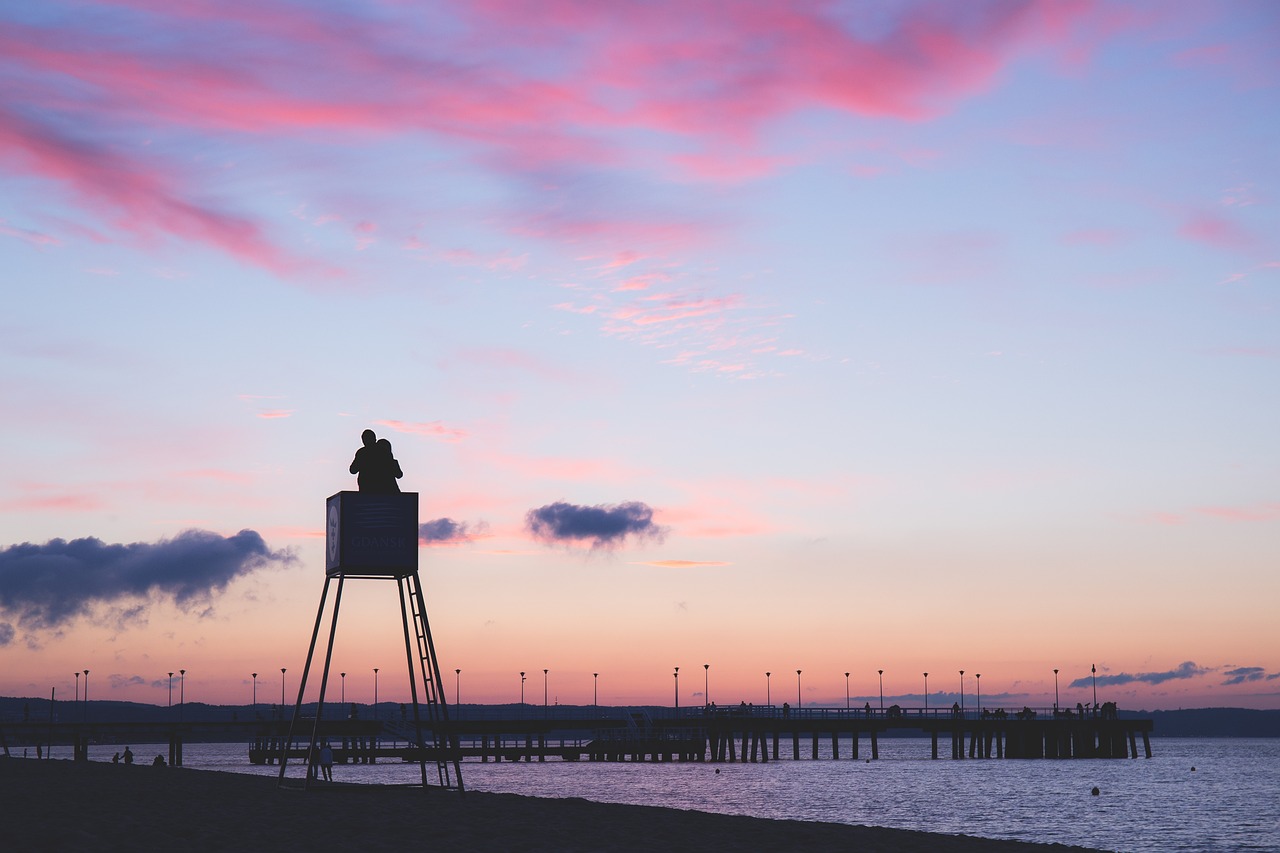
column 368, row 438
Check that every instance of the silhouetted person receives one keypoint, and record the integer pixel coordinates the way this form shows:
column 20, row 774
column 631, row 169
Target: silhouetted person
column 326, row 761
column 158, row 761
column 388, row 468
column 375, row 466
column 128, row 755
column 364, row 465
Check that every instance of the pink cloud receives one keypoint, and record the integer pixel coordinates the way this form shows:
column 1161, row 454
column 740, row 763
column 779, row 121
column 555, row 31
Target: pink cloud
column 1262, row 512
column 139, row 200
column 58, row 503
column 427, row 429
column 674, row 309
column 525, row 88
column 274, row 414
column 1215, row 231
column 35, row 238
column 682, row 564
column 643, row 282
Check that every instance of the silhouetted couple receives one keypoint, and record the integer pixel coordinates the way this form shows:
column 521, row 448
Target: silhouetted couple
column 375, row 467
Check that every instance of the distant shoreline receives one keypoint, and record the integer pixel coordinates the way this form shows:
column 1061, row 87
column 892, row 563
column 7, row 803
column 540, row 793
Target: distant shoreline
column 1182, row 723
column 64, row 805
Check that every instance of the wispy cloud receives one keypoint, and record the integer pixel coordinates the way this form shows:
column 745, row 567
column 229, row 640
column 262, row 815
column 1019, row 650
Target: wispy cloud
column 1185, row 670
column 427, row 429
column 1244, row 674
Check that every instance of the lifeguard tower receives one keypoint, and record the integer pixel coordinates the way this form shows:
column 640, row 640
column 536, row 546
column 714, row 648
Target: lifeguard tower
column 374, row 536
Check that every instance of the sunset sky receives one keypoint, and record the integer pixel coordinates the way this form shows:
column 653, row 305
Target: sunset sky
column 820, row 336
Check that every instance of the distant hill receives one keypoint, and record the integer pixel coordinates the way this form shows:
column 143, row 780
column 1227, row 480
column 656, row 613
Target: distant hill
column 1211, row 722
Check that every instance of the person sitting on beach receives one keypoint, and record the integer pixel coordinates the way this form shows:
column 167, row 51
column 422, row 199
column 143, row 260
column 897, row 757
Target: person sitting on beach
column 158, row 761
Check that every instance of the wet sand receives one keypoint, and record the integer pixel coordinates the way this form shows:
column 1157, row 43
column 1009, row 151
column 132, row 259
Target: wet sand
column 65, row 806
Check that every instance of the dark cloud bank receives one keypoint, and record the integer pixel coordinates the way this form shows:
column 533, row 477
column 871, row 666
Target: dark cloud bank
column 46, row 586
column 604, row 526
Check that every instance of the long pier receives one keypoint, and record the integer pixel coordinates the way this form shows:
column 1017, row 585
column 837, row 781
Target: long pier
column 735, row 734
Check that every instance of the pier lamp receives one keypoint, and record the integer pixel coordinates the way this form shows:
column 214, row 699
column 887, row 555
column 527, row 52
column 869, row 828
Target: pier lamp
column 457, row 687
column 799, row 701
column 595, row 689
column 1055, row 690
column 522, row 687
column 77, row 674
column 182, row 691
column 846, row 691
column 881, row 671
column 1092, row 668
column 255, row 689
column 768, row 697
column 978, row 676
column 677, row 676
column 926, row 694
column 344, row 687
column 544, row 692
column 962, row 691
column 171, row 690
column 706, row 681
column 375, row 692
column 282, row 692
column 86, row 692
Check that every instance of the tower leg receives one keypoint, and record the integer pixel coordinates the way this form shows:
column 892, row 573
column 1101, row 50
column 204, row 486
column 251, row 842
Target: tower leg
column 302, row 684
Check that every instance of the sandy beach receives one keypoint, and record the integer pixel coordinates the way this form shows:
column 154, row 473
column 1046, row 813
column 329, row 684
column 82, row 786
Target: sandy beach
column 65, row 806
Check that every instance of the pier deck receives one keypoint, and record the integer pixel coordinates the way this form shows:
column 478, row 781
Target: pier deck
column 651, row 734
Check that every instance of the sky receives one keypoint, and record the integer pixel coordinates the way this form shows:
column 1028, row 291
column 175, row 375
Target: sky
column 770, row 341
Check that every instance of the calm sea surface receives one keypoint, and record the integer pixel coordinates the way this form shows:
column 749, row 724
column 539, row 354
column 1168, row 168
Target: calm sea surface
column 1230, row 801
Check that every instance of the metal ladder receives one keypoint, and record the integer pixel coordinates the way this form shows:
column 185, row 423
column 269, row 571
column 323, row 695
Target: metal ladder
column 444, row 745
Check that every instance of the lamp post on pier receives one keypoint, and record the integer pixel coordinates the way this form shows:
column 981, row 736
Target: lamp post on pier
column 255, row 689
column 926, row 694
column 799, row 700
column 881, row 689
column 282, row 671
column 182, row 691
column 544, row 692
column 768, row 696
column 978, row 676
column 522, row 687
column 77, row 674
column 1092, row 668
column 677, row 675
column 86, row 693
column 457, row 687
column 1055, row 690
column 962, row 692
column 595, row 689
column 706, row 684
column 344, row 687
column 171, row 690
column 846, row 691
column 375, row 692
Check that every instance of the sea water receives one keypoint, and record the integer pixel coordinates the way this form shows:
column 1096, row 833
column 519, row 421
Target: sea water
column 1194, row 795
